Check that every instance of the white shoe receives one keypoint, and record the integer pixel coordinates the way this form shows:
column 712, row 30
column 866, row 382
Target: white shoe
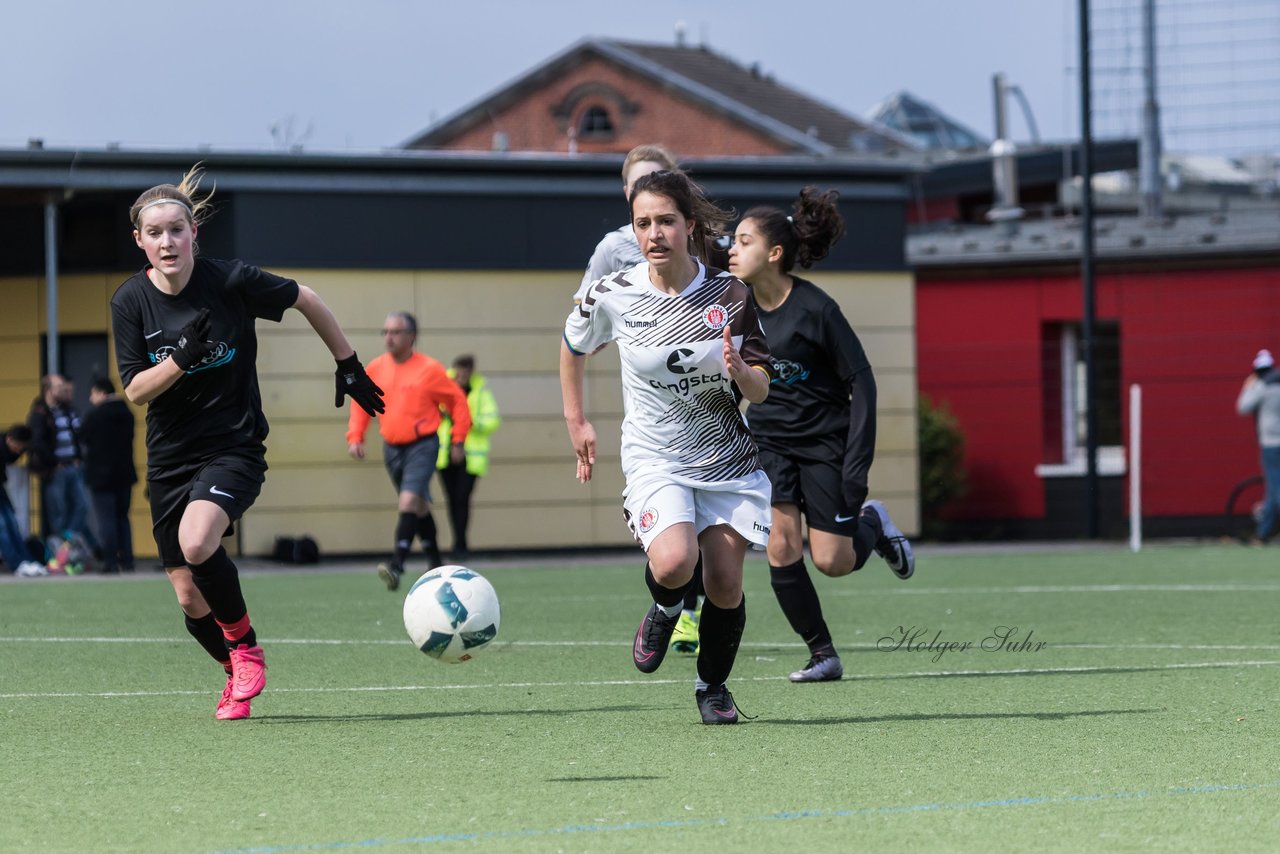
column 893, row 546
column 30, row 569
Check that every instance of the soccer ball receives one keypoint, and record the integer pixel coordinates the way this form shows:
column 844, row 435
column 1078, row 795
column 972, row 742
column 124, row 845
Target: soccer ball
column 451, row 613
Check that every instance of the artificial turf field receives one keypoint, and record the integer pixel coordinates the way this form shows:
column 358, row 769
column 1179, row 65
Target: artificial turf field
column 1147, row 720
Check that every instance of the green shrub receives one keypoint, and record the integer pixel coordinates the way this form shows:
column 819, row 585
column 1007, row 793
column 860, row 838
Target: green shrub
column 942, row 475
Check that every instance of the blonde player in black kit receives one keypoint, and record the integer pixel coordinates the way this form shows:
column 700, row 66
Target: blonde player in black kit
column 817, row 429
column 686, row 336
column 186, row 347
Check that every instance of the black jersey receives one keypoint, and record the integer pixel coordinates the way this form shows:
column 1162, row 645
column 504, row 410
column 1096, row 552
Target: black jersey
column 215, row 406
column 815, row 356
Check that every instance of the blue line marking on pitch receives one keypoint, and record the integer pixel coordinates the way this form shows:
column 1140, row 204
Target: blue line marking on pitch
column 720, row 822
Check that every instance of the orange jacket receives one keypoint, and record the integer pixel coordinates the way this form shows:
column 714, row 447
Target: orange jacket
column 413, row 392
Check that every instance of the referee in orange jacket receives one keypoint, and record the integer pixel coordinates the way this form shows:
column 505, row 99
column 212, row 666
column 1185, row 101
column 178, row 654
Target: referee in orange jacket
column 416, row 386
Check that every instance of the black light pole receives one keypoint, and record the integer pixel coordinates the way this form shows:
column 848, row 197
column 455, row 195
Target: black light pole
column 1086, row 280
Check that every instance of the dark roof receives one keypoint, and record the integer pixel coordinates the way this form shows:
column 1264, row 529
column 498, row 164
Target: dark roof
column 743, row 93
column 1233, row 234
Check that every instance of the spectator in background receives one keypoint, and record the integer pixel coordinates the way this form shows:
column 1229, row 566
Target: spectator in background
column 55, row 458
column 1260, row 397
column 12, row 547
column 107, row 437
column 459, row 478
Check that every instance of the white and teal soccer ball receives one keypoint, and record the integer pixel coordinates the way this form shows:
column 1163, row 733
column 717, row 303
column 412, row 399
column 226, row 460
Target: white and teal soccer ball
column 451, row 613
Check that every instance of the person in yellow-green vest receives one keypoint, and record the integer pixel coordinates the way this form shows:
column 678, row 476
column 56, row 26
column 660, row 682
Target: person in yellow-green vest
column 459, row 479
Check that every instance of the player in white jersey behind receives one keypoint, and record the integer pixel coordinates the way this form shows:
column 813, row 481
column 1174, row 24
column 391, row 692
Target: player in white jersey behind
column 686, row 336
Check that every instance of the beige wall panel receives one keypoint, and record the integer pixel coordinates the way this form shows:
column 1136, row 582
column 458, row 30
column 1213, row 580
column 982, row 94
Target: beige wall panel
column 359, row 298
column 84, row 302
column 537, row 394
column 293, row 353
column 896, row 391
column 315, row 443
column 497, row 354
column 609, row 529
column 895, row 473
column 495, row 300
column 529, row 437
column 23, row 305
column 349, row 485
column 896, row 431
column 603, row 395
column 871, row 300
column 890, row 347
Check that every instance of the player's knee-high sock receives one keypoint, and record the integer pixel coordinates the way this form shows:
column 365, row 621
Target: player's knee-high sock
column 864, row 539
column 426, row 527
column 208, row 634
column 719, row 634
column 667, row 598
column 219, row 583
column 406, row 526
column 799, row 600
column 694, row 590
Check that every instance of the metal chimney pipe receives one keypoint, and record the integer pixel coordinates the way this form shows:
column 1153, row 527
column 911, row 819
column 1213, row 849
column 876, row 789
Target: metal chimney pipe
column 1004, row 163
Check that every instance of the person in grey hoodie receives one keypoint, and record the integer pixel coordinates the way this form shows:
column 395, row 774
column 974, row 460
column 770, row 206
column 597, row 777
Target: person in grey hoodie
column 1260, row 397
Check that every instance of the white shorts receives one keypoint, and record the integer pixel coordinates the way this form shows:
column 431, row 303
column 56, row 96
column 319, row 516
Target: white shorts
column 653, row 504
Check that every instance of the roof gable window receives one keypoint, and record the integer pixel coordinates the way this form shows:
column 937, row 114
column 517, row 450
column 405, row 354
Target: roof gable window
column 595, row 123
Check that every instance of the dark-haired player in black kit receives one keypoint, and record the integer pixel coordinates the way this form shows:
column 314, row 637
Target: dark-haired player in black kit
column 185, row 345
column 817, row 428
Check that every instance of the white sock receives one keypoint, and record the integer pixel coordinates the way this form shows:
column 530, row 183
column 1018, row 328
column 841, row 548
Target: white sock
column 671, row 610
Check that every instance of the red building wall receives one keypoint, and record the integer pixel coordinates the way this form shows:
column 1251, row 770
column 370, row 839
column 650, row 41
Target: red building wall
column 687, row 129
column 1186, row 336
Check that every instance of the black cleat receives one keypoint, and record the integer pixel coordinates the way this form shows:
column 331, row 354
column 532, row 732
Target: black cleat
column 652, row 639
column 716, row 706
column 390, row 574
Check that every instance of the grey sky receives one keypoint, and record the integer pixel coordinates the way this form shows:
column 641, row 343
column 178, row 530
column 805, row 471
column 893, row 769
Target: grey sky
column 371, row 73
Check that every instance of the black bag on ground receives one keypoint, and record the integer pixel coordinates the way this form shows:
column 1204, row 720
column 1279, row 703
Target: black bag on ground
column 296, row 550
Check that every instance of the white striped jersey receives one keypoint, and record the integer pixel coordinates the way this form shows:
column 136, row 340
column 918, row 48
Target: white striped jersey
column 680, row 417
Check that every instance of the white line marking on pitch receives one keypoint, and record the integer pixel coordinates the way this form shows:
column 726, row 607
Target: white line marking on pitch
column 604, row 683
column 1230, row 647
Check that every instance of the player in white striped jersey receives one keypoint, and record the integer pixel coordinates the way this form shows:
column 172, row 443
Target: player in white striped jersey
column 686, row 336
column 617, row 252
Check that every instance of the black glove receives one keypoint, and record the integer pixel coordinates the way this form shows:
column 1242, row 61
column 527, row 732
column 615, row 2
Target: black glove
column 193, row 345
column 351, row 379
column 854, row 495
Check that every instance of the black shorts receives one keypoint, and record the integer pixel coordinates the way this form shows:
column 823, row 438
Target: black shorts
column 816, row 487
column 231, row 480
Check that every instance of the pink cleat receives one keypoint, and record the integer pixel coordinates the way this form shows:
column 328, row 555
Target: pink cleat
column 248, row 672
column 229, row 708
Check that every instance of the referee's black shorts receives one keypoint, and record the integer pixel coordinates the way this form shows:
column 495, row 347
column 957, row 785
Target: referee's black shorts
column 232, row 480
column 816, row 486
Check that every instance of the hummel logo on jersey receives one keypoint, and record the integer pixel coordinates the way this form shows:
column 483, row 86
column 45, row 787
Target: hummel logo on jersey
column 641, row 324
column 676, row 362
column 217, row 491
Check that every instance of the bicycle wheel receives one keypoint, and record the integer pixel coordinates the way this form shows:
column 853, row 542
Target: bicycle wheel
column 1244, row 508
